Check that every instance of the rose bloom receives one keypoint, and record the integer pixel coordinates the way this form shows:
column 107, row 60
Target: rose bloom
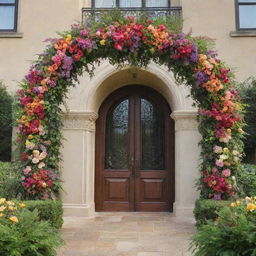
column 219, row 163
column 41, row 165
column 226, row 173
column 27, row 170
column 217, row 149
column 35, row 160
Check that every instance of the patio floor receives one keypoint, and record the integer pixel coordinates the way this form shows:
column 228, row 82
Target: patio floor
column 127, row 234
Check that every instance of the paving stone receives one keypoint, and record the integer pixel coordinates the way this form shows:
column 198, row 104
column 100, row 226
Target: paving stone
column 127, row 234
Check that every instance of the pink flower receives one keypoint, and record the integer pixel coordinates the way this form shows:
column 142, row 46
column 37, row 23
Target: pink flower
column 226, row 173
column 41, row 165
column 42, row 155
column 214, row 170
column 27, row 170
column 217, row 149
column 219, row 163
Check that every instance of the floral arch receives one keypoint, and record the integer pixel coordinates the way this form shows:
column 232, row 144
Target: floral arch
column 127, row 41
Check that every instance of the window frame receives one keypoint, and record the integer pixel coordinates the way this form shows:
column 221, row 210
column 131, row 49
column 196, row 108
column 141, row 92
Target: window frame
column 143, row 5
column 237, row 5
column 15, row 4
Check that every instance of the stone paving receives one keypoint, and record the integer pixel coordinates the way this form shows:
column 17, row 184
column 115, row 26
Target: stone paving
column 127, row 234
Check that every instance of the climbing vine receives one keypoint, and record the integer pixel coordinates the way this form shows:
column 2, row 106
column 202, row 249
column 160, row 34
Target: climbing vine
column 127, row 41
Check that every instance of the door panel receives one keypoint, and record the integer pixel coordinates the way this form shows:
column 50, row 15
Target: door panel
column 134, row 152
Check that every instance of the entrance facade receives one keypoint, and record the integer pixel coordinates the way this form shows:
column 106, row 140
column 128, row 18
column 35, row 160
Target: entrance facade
column 134, row 166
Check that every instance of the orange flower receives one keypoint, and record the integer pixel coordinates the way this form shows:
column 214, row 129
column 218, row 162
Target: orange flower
column 251, row 207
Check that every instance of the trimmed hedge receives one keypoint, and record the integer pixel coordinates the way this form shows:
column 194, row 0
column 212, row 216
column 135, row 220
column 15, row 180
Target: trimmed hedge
column 205, row 209
column 6, row 101
column 246, row 180
column 10, row 186
column 48, row 210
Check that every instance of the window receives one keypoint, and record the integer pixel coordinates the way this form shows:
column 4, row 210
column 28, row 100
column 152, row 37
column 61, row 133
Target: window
column 8, row 15
column 246, row 14
column 129, row 3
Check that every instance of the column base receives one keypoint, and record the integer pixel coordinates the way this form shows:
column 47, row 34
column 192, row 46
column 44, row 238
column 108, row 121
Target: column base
column 183, row 210
column 79, row 210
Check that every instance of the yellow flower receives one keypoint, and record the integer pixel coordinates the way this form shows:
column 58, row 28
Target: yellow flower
column 238, row 202
column 30, row 136
column 22, row 205
column 11, row 208
column 2, row 200
column 102, row 42
column 2, row 208
column 251, row 207
column 68, row 37
column 226, row 150
column 14, row 219
column 1, row 215
column 233, row 205
column 10, row 203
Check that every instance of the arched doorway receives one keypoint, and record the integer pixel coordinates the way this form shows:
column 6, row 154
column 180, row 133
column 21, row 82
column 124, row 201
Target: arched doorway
column 134, row 152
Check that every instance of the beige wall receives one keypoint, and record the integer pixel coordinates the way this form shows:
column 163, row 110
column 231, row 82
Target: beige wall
column 216, row 19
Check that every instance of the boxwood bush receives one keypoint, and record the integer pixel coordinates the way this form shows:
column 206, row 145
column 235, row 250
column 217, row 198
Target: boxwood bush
column 206, row 209
column 49, row 210
column 5, row 123
column 10, row 185
column 246, row 180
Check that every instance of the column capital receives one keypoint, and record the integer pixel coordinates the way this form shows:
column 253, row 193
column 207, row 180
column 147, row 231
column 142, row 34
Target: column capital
column 185, row 119
column 80, row 121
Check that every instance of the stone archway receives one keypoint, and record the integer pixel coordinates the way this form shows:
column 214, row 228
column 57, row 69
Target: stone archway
column 79, row 199
column 133, row 43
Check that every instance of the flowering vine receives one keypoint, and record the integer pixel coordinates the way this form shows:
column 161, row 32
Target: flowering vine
column 128, row 42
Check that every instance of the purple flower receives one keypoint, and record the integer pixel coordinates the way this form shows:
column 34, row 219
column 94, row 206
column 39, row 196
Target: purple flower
column 85, row 43
column 201, row 78
column 84, row 32
column 217, row 196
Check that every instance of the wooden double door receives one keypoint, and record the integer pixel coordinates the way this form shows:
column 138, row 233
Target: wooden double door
column 134, row 152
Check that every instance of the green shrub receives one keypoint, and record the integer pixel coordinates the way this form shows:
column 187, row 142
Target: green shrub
column 246, row 180
column 49, row 210
column 247, row 93
column 206, row 209
column 22, row 234
column 10, row 186
column 232, row 234
column 5, row 123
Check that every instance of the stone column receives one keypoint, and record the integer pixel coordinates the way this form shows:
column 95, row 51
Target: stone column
column 187, row 153
column 78, row 165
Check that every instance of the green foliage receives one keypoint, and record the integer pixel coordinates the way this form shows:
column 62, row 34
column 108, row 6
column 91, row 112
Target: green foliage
column 206, row 209
column 232, row 234
column 246, row 180
column 28, row 237
column 5, row 124
column 247, row 93
column 10, row 185
column 48, row 210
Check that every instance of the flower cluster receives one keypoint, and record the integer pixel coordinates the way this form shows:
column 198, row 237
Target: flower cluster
column 249, row 203
column 138, row 41
column 9, row 209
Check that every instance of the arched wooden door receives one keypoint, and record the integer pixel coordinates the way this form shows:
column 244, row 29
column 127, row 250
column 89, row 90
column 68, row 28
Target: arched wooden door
column 134, row 152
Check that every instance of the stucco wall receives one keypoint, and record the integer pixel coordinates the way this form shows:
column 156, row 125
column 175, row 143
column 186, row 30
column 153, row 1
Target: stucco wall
column 216, row 19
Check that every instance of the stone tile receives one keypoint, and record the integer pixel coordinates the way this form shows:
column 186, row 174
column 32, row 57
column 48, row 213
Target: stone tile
column 150, row 254
column 127, row 234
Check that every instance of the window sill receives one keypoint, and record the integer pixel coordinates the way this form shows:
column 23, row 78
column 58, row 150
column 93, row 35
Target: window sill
column 246, row 33
column 10, row 34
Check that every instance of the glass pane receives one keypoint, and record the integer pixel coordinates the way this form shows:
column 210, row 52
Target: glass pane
column 130, row 3
column 105, row 3
column 7, row 17
column 152, row 134
column 247, row 16
column 157, row 3
column 247, row 1
column 7, row 1
column 116, row 156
